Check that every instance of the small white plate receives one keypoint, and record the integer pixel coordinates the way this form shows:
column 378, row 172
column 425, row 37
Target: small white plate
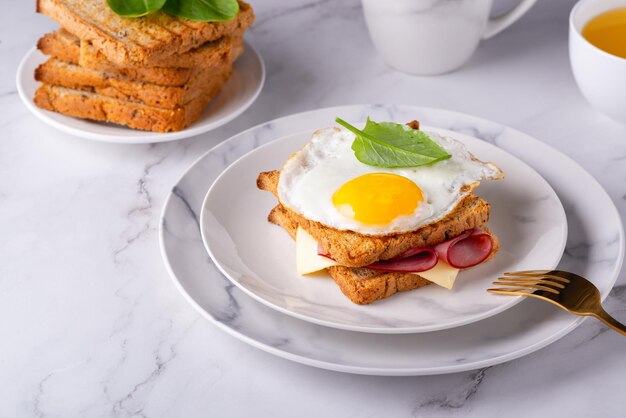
column 595, row 249
column 237, row 95
column 259, row 257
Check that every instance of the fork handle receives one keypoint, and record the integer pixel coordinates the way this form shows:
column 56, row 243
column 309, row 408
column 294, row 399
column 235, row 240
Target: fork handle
column 603, row 316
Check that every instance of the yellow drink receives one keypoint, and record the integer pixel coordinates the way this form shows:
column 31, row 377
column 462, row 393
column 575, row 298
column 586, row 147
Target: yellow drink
column 607, row 31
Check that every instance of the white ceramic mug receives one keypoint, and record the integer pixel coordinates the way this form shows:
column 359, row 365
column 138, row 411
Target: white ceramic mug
column 600, row 76
column 430, row 37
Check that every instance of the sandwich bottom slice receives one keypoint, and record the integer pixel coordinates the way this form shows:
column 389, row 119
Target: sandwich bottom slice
column 94, row 106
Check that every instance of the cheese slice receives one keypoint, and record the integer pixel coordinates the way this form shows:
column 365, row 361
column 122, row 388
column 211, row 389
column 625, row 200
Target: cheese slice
column 442, row 274
column 307, row 259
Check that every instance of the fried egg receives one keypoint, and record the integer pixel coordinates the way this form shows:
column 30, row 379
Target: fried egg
column 326, row 183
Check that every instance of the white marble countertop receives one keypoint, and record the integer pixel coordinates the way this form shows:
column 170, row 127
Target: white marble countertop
column 92, row 324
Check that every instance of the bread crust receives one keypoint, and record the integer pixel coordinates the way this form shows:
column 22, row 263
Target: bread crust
column 60, row 44
column 352, row 249
column 364, row 291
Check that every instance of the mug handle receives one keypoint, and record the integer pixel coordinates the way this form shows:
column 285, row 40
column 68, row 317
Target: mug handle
column 498, row 24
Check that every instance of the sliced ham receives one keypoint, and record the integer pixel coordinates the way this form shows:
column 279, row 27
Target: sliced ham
column 413, row 261
column 466, row 250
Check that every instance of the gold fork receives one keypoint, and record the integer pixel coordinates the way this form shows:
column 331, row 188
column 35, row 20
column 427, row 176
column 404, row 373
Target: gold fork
column 566, row 290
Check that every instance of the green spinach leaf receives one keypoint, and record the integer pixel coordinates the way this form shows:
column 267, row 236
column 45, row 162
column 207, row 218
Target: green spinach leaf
column 202, row 10
column 393, row 145
column 135, row 8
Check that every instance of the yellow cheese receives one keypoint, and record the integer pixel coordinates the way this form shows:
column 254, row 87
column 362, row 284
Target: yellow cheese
column 442, row 274
column 307, row 259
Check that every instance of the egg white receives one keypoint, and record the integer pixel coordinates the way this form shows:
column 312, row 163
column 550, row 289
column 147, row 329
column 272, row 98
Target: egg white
column 310, row 177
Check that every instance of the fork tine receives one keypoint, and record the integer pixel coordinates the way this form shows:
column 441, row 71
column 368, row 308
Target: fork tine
column 502, row 291
column 524, row 281
column 527, row 273
column 538, row 274
column 557, row 278
column 528, row 286
column 518, row 283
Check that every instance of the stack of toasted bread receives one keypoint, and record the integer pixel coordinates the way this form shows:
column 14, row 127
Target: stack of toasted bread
column 154, row 73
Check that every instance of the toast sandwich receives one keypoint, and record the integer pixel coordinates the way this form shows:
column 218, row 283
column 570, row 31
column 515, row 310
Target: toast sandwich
column 353, row 251
column 369, row 266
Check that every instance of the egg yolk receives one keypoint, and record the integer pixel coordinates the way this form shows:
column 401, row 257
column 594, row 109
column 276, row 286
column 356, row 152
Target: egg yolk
column 377, row 198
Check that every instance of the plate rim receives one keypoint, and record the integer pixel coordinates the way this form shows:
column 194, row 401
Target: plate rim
column 381, row 371
column 368, row 329
column 149, row 137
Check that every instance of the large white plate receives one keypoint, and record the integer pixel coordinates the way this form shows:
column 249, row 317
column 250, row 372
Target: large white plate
column 237, row 95
column 259, row 257
column 595, row 249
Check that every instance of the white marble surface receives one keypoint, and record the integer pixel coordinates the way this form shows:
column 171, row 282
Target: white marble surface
column 92, row 325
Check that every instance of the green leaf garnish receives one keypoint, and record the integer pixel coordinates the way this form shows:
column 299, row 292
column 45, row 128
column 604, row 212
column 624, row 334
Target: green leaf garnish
column 135, row 8
column 392, row 145
column 202, row 10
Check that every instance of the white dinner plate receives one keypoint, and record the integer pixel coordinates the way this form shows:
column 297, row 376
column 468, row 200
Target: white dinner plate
column 594, row 249
column 237, row 95
column 259, row 257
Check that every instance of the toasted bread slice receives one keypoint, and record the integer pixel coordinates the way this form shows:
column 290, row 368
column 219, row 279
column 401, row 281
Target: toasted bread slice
column 211, row 54
column 141, row 41
column 352, row 249
column 86, row 105
column 60, row 44
column 72, row 76
column 65, row 46
column 364, row 286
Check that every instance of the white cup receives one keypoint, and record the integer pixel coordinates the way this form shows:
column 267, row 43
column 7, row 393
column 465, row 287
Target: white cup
column 428, row 37
column 601, row 76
